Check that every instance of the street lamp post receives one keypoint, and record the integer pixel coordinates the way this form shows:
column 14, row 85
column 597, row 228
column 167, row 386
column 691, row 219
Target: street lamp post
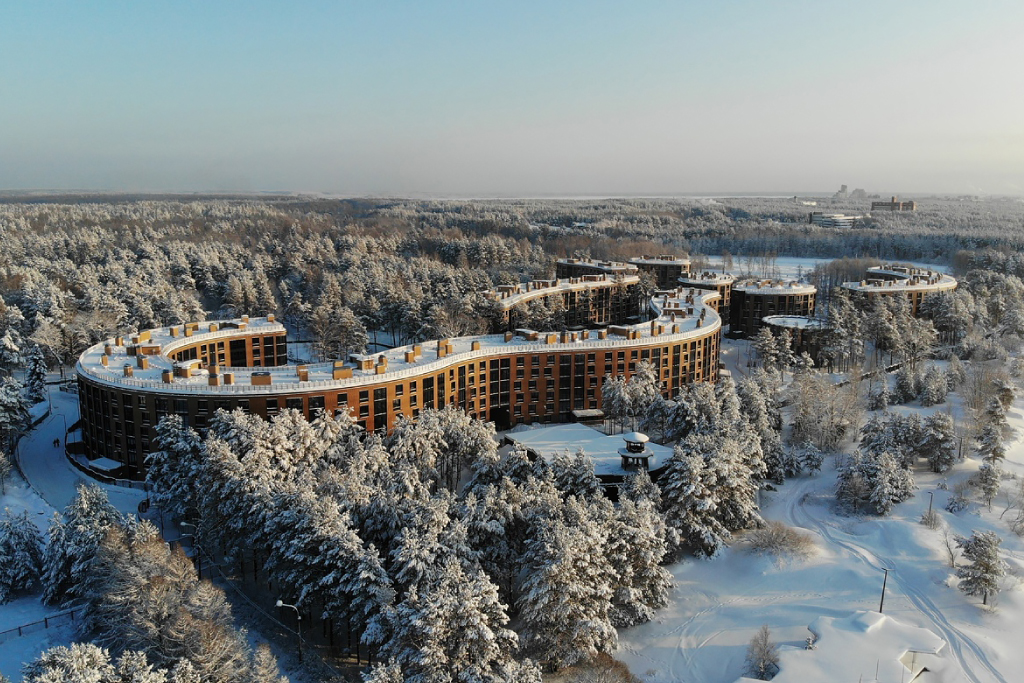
column 884, row 581
column 298, row 619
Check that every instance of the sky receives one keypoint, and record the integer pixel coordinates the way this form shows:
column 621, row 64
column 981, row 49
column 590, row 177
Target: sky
column 494, row 98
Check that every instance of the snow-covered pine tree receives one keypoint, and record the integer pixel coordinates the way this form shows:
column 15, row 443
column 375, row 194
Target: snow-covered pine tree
column 73, row 540
column 574, row 474
column 21, row 554
column 638, row 487
column 35, row 374
column 810, row 457
column 878, row 398
column 13, row 410
column 988, row 482
column 175, row 467
column 6, row 467
column 566, row 596
column 908, row 384
column 767, row 349
column 990, row 443
column 452, row 627
column 933, row 387
column 938, row 442
column 982, row 576
column 637, row 544
column 690, row 502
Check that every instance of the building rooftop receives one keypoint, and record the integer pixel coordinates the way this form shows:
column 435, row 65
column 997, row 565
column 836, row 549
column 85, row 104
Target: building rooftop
column 606, row 266
column 681, row 316
column 774, row 287
column 603, row 449
column 510, row 295
column 904, row 278
column 796, row 322
column 707, row 277
column 661, row 260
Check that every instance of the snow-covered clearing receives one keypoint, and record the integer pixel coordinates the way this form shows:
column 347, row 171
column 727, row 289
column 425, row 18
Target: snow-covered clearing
column 718, row 605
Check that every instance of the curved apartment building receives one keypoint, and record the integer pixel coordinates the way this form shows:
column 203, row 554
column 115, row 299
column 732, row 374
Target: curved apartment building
column 127, row 385
column 915, row 284
column 753, row 300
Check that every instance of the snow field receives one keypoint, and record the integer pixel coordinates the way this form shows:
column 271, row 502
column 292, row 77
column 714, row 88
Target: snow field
column 718, row 605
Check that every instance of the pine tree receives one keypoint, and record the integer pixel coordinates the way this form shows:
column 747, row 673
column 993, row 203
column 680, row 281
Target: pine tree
column 566, row 597
column 982, row 575
column 21, row 554
column 175, row 467
column 637, row 544
column 13, row 410
column 990, row 443
column 691, row 503
column 938, row 442
column 35, row 375
column 574, row 474
column 988, row 482
column 6, row 467
column 73, row 541
column 452, row 627
column 638, row 487
column 933, row 387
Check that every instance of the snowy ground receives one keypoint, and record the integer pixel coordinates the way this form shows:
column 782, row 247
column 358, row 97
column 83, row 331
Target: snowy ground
column 718, row 605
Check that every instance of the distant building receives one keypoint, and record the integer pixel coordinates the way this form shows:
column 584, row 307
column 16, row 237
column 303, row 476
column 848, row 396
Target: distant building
column 715, row 282
column 575, row 267
column 805, row 333
column 753, row 300
column 666, row 268
column 916, row 284
column 832, row 220
column 894, row 205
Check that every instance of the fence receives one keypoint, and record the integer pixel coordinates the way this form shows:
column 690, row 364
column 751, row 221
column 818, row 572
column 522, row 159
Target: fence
column 36, row 626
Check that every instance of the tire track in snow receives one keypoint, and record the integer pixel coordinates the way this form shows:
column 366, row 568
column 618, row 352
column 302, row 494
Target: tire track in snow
column 798, row 515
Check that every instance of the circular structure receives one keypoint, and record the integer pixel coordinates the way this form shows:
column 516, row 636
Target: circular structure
column 753, row 300
column 892, row 280
column 127, row 385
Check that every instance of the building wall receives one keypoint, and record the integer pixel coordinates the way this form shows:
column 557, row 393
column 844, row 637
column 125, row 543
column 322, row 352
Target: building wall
column 508, row 388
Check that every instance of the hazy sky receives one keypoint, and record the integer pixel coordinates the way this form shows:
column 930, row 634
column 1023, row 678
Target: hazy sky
column 513, row 98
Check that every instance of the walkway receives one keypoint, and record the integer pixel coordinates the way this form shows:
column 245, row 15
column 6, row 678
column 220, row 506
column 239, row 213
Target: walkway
column 47, row 469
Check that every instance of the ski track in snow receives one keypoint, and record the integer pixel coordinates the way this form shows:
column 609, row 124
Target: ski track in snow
column 797, row 514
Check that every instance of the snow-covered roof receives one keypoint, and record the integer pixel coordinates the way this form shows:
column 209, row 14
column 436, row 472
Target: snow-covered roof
column 636, row 437
column 774, row 287
column 430, row 358
column 904, row 279
column 853, row 647
column 603, row 449
column 507, row 297
column 661, row 260
column 607, row 266
column 796, row 322
column 707, row 278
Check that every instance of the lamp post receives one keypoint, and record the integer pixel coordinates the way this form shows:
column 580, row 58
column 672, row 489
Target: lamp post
column 884, row 581
column 298, row 619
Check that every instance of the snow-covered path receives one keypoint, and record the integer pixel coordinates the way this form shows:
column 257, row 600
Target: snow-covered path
column 718, row 605
column 47, row 469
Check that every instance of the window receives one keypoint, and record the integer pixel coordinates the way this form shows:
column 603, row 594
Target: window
column 316, row 404
column 399, row 390
column 272, row 406
column 364, row 396
column 293, row 404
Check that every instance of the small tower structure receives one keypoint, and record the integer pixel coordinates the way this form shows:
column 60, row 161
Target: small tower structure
column 635, row 454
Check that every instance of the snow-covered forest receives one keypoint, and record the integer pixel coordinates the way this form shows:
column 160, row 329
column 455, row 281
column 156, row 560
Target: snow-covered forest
column 433, row 552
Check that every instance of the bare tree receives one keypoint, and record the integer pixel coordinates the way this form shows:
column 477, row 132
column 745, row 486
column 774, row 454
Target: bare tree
column 763, row 655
